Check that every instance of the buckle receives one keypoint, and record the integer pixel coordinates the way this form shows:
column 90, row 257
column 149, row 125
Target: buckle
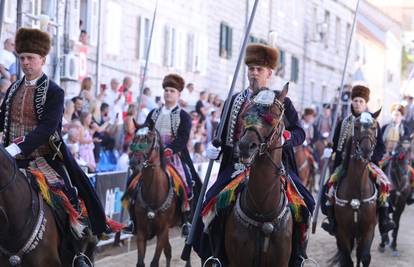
column 262, row 148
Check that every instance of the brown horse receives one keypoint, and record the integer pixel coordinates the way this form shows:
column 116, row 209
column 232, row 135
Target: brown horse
column 399, row 173
column 156, row 204
column 356, row 195
column 306, row 169
column 29, row 236
column 258, row 231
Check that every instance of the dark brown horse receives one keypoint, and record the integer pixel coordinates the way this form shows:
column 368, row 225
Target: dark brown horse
column 156, row 203
column 258, row 231
column 28, row 231
column 306, row 170
column 356, row 195
column 398, row 171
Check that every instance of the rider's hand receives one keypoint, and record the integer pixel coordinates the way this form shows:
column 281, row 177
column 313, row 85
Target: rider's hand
column 212, row 152
column 168, row 152
column 13, row 149
column 305, row 143
column 327, row 153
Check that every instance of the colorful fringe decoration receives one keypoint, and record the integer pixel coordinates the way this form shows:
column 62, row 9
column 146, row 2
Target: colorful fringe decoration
column 411, row 171
column 180, row 188
column 224, row 199
column 379, row 177
column 338, row 174
column 114, row 225
column 57, row 199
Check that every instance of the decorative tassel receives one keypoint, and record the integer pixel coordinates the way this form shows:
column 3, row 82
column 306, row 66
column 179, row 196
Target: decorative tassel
column 114, row 225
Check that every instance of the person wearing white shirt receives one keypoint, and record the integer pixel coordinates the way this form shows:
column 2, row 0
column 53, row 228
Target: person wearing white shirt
column 188, row 98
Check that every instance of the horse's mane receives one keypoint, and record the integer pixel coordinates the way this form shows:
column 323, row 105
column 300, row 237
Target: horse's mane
column 160, row 150
column 347, row 158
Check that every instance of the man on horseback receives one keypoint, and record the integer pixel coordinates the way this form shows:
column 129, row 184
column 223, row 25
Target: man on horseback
column 392, row 133
column 343, row 131
column 174, row 125
column 261, row 60
column 31, row 122
column 311, row 135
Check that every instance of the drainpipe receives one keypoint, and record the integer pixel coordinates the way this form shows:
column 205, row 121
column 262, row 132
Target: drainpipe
column 2, row 4
column 98, row 50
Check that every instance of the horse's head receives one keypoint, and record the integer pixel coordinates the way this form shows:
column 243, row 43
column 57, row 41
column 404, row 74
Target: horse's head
column 365, row 135
column 145, row 149
column 262, row 125
column 403, row 149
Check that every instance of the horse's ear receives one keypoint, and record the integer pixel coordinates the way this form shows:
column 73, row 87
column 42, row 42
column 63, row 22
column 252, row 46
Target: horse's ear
column 376, row 114
column 283, row 93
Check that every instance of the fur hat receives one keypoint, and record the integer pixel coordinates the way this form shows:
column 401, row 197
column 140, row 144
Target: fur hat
column 262, row 55
column 173, row 80
column 360, row 91
column 308, row 111
column 32, row 41
column 398, row 107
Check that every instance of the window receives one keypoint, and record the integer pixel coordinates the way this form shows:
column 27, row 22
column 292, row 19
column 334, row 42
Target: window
column 169, row 46
column 280, row 70
column 312, row 91
column 113, row 28
column 314, row 26
column 337, row 34
column 226, row 35
column 348, row 34
column 326, row 35
column 89, row 13
column 294, row 69
column 36, row 7
column 9, row 11
column 144, row 32
column 324, row 93
column 189, row 66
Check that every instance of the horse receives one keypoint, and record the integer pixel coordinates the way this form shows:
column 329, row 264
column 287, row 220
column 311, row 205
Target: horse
column 398, row 169
column 29, row 234
column 306, row 169
column 156, row 205
column 258, row 229
column 356, row 195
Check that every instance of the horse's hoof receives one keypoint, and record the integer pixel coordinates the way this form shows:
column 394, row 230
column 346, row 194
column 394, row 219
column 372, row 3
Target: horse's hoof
column 188, row 264
column 381, row 249
column 395, row 253
column 154, row 264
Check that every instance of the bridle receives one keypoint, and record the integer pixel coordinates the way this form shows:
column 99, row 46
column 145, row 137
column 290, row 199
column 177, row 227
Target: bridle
column 147, row 155
column 358, row 154
column 266, row 144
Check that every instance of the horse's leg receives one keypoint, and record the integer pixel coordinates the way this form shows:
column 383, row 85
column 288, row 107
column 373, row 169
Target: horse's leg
column 141, row 247
column 365, row 247
column 162, row 238
column 167, row 252
column 396, row 216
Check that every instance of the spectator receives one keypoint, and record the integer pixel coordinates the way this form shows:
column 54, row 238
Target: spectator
column 144, row 111
column 195, row 119
column 67, row 114
column 201, row 106
column 78, row 103
column 86, row 141
column 129, row 125
column 198, row 155
column 149, row 100
column 4, row 85
column 188, row 98
column 4, row 73
column 86, row 93
column 83, row 37
column 126, row 89
column 74, row 150
column 111, row 97
column 123, row 161
column 7, row 57
column 324, row 122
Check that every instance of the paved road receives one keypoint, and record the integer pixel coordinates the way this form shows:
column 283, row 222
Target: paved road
column 321, row 248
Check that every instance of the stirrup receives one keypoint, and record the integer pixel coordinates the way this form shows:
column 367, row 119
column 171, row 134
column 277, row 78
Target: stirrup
column 215, row 262
column 81, row 255
column 314, row 262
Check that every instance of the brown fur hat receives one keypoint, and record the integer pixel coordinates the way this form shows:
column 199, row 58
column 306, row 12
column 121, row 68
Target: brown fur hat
column 308, row 111
column 261, row 55
column 32, row 41
column 173, row 80
column 360, row 91
column 398, row 107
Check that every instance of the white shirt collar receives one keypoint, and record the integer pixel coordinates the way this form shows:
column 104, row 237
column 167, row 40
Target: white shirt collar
column 32, row 82
column 165, row 110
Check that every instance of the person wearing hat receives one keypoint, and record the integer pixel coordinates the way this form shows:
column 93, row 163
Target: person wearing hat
column 324, row 121
column 359, row 100
column 31, row 122
column 393, row 132
column 174, row 125
column 311, row 135
column 261, row 60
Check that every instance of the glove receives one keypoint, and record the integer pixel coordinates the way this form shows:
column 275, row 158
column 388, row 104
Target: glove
column 168, row 152
column 13, row 149
column 327, row 153
column 325, row 135
column 305, row 143
column 212, row 152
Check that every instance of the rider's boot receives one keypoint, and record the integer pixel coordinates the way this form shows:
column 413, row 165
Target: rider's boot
column 130, row 228
column 386, row 224
column 410, row 199
column 81, row 261
column 329, row 225
column 186, row 225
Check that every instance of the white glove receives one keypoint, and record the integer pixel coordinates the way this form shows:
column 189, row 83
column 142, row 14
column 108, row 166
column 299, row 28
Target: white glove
column 325, row 135
column 327, row 153
column 305, row 143
column 212, row 152
column 13, row 149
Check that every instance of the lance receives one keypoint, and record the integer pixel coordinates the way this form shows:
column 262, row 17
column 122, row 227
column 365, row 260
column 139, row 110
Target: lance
column 185, row 255
column 335, row 120
column 147, row 52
